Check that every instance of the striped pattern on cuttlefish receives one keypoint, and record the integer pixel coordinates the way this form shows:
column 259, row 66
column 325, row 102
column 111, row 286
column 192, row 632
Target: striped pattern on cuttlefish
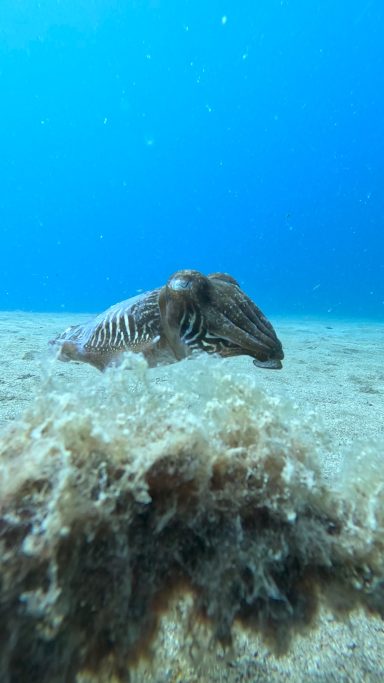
column 192, row 312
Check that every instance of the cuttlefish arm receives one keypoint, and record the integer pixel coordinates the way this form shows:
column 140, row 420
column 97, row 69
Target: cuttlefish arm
column 235, row 317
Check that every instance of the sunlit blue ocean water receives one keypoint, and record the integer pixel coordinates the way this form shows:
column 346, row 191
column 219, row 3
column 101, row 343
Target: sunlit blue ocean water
column 140, row 137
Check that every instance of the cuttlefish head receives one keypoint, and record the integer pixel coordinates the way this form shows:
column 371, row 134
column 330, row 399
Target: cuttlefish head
column 214, row 314
column 180, row 302
column 188, row 285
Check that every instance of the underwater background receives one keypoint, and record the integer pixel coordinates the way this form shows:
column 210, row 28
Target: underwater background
column 141, row 137
column 196, row 521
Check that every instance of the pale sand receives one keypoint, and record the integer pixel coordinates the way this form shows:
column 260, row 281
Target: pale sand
column 335, row 367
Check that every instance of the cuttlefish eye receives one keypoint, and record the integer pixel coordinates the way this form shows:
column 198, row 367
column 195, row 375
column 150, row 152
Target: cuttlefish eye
column 191, row 281
column 179, row 283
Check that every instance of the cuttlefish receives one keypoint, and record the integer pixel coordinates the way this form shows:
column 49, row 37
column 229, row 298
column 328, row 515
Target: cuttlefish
column 192, row 312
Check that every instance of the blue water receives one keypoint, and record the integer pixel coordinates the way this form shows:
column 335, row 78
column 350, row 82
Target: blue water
column 137, row 138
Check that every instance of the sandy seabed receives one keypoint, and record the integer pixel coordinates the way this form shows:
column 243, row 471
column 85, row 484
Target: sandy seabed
column 332, row 366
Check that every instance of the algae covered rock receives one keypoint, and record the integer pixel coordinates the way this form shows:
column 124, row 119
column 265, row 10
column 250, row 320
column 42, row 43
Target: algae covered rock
column 122, row 491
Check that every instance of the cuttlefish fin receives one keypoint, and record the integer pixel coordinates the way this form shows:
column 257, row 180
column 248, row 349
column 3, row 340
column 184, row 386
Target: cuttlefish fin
column 72, row 351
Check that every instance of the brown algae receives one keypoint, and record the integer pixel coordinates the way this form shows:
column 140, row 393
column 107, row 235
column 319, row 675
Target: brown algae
column 122, row 491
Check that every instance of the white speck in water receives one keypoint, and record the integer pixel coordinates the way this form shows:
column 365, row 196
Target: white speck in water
column 224, row 20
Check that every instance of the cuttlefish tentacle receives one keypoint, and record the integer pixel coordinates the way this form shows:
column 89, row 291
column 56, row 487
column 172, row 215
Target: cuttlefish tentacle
column 192, row 311
column 255, row 316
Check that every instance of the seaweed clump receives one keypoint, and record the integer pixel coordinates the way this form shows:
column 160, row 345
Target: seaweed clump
column 122, row 491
